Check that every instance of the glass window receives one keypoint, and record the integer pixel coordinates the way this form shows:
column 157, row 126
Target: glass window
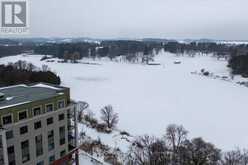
column 37, row 125
column 37, row 111
column 50, row 137
column 62, row 153
column 50, row 120
column 49, row 107
column 62, row 135
column 23, row 130
column 11, row 155
column 61, row 104
column 51, row 159
column 25, row 151
column 7, row 119
column 39, row 146
column 9, row 134
column 11, row 150
column 61, row 116
column 40, row 163
column 23, row 115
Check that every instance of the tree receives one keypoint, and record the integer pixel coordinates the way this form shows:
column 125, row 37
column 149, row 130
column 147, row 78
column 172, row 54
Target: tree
column 235, row 157
column 175, row 136
column 199, row 152
column 75, row 57
column 109, row 116
column 45, row 68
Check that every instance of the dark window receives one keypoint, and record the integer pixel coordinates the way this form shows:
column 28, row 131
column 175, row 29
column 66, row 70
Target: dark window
column 62, row 153
column 9, row 134
column 37, row 111
column 12, row 162
column 25, row 151
column 11, row 150
column 7, row 119
column 23, row 115
column 40, row 163
column 61, row 104
column 37, row 125
column 50, row 137
column 49, row 107
column 23, row 130
column 62, row 135
column 51, row 159
column 11, row 155
column 61, row 116
column 39, row 146
column 50, row 120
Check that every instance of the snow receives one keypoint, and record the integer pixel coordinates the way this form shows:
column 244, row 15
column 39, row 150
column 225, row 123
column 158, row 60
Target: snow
column 148, row 98
column 46, row 86
column 21, row 85
column 9, row 98
column 12, row 105
column 86, row 159
column 114, row 139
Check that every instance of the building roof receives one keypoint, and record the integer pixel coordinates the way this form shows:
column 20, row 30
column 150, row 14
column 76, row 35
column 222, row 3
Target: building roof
column 22, row 94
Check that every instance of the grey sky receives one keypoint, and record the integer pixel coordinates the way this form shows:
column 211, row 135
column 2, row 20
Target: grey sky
column 217, row 19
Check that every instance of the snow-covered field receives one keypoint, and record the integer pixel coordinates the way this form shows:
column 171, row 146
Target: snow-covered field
column 148, row 98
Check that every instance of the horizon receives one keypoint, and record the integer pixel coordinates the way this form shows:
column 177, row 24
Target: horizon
column 117, row 38
column 135, row 19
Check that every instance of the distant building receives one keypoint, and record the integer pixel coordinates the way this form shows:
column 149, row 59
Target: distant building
column 37, row 125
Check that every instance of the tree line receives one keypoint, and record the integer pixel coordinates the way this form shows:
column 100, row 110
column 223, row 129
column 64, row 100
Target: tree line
column 23, row 72
column 133, row 51
column 175, row 148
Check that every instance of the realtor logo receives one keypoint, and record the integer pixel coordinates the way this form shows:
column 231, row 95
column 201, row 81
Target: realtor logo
column 14, row 16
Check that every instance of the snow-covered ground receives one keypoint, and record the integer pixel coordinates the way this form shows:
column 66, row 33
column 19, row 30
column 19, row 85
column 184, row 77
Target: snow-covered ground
column 148, row 98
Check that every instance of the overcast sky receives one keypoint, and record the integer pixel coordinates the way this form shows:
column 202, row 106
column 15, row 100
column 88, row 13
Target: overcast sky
column 216, row 19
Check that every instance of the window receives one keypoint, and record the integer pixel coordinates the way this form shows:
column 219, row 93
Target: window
column 23, row 115
column 37, row 111
column 50, row 137
column 51, row 159
column 11, row 150
column 25, row 151
column 9, row 134
column 61, row 104
column 61, row 116
column 62, row 153
column 62, row 135
column 39, row 146
column 23, row 130
column 50, row 120
column 7, row 119
column 37, row 125
column 49, row 107
column 11, row 155
column 40, row 163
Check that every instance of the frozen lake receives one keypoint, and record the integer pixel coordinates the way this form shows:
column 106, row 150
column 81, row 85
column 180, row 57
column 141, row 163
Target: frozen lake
column 148, row 98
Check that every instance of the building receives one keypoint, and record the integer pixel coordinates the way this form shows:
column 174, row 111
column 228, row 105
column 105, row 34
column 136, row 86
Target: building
column 37, row 125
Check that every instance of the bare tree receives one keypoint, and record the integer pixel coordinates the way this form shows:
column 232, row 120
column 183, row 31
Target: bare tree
column 235, row 157
column 75, row 57
column 199, row 152
column 109, row 116
column 30, row 67
column 148, row 150
column 175, row 136
column 45, row 68
column 82, row 107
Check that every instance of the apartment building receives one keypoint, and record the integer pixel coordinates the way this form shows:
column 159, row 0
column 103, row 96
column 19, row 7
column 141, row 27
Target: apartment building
column 37, row 125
